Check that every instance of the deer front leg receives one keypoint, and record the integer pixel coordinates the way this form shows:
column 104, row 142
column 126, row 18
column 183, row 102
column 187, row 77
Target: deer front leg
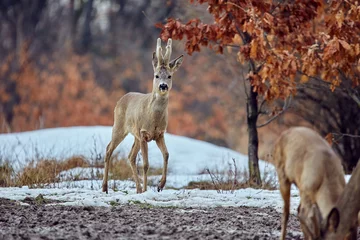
column 161, row 144
column 132, row 159
column 144, row 151
column 115, row 141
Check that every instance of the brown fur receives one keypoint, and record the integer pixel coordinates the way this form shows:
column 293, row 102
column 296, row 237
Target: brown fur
column 302, row 157
column 146, row 117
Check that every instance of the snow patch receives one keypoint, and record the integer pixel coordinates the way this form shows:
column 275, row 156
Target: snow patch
column 168, row 198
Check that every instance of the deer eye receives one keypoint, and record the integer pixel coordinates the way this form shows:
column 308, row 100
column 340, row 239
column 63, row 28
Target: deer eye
column 157, row 76
column 169, row 77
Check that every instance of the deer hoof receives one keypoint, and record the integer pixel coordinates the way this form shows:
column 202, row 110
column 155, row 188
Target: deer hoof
column 105, row 188
column 160, row 187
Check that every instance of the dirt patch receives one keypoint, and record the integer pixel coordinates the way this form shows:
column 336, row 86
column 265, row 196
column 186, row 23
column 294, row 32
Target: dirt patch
column 39, row 221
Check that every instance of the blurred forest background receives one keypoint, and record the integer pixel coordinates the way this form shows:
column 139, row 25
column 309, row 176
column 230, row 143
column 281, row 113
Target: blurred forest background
column 66, row 63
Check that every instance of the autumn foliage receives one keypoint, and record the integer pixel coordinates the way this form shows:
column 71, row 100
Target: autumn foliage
column 46, row 81
column 282, row 39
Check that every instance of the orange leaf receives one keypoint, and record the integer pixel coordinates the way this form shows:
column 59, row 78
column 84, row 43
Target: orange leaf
column 253, row 49
column 345, row 45
column 340, row 18
column 304, row 79
column 329, row 138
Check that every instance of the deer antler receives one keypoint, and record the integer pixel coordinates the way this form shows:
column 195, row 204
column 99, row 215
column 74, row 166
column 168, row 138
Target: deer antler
column 159, row 51
column 168, row 52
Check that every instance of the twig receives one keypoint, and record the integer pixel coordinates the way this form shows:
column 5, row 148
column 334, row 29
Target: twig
column 231, row 3
column 213, row 181
column 261, row 105
column 246, row 92
column 346, row 135
column 143, row 12
column 286, row 107
column 235, row 176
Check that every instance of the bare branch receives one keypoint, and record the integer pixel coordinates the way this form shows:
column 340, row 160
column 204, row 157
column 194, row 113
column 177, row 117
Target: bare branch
column 246, row 92
column 261, row 105
column 346, row 89
column 346, row 135
column 286, row 107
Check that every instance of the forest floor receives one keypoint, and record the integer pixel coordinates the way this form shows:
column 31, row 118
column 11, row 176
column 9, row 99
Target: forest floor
column 47, row 220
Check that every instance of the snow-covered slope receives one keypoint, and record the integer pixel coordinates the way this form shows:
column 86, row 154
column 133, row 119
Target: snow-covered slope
column 187, row 156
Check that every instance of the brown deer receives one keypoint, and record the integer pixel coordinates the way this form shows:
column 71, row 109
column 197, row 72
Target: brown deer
column 302, row 157
column 146, row 117
column 343, row 219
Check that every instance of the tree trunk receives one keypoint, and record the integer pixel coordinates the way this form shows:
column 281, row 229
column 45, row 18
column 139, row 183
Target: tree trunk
column 85, row 37
column 252, row 116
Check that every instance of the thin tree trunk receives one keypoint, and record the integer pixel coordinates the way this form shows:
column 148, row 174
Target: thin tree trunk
column 86, row 38
column 252, row 116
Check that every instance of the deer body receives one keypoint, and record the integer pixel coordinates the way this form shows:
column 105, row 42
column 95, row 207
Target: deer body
column 146, row 117
column 302, row 157
column 132, row 107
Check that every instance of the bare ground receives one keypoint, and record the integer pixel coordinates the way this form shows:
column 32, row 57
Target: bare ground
column 138, row 221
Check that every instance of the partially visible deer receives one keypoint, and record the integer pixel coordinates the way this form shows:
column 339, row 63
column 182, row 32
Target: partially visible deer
column 343, row 219
column 146, row 117
column 302, row 157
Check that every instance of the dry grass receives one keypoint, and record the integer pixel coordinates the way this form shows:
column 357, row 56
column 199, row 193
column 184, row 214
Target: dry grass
column 38, row 172
column 43, row 172
column 6, row 172
column 73, row 162
column 232, row 179
column 120, row 168
column 46, row 171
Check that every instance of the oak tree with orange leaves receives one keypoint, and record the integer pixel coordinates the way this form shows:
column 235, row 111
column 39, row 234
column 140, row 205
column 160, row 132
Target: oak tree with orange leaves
column 283, row 43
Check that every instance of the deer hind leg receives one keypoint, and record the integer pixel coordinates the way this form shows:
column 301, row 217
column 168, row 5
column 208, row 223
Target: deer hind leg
column 132, row 159
column 115, row 141
column 285, row 193
column 161, row 144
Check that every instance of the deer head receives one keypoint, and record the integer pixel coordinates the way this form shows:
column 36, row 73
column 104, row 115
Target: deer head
column 317, row 228
column 164, row 68
column 342, row 221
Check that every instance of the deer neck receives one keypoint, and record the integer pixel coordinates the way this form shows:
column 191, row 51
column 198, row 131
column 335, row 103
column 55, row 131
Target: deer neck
column 159, row 102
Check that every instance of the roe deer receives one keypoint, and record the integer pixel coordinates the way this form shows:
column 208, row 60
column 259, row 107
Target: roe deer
column 146, row 117
column 302, row 157
column 343, row 219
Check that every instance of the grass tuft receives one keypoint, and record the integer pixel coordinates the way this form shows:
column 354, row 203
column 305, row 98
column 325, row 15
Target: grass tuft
column 232, row 179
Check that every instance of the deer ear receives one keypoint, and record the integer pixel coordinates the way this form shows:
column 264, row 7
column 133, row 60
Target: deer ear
column 310, row 219
column 316, row 219
column 333, row 220
column 155, row 60
column 176, row 63
column 304, row 222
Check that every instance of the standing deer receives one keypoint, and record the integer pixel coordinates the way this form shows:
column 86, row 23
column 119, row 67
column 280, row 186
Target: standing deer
column 146, row 117
column 342, row 221
column 302, row 157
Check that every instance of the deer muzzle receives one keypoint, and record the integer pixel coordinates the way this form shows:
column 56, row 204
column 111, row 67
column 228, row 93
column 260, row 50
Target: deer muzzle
column 163, row 87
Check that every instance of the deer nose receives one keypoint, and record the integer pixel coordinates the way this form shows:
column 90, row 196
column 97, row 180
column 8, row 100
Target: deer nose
column 163, row 87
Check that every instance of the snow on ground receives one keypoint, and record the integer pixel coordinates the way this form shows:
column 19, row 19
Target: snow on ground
column 187, row 156
column 70, row 178
column 167, row 198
